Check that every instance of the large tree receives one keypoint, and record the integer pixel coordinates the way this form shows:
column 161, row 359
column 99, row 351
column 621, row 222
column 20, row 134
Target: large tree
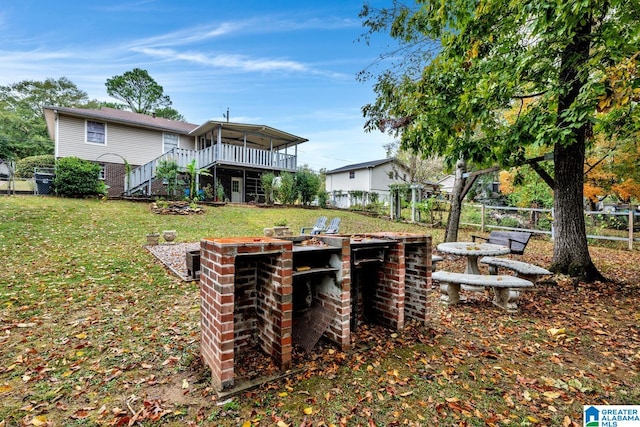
column 492, row 55
column 23, row 131
column 141, row 93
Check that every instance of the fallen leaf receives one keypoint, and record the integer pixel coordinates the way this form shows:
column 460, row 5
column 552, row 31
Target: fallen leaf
column 308, row 410
column 552, row 394
column 26, row 325
column 185, row 384
column 39, row 420
column 246, row 424
column 282, row 424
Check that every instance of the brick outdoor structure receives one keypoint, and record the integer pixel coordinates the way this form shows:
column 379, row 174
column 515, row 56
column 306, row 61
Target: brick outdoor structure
column 248, row 290
column 396, row 289
column 330, row 289
column 246, row 298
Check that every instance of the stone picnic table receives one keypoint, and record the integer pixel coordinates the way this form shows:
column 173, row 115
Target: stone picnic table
column 473, row 250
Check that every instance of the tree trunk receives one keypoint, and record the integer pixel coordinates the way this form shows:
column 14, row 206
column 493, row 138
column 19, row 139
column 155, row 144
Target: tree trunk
column 571, row 251
column 457, row 195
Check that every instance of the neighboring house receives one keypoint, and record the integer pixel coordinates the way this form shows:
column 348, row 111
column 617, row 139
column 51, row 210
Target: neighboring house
column 446, row 184
column 235, row 154
column 353, row 184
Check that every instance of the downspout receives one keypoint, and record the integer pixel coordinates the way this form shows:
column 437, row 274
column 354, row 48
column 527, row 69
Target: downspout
column 57, row 132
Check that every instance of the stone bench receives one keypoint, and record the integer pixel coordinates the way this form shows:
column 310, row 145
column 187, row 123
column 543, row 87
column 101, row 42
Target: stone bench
column 522, row 269
column 506, row 289
column 435, row 259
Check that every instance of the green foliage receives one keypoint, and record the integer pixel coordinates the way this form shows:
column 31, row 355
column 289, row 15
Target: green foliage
column 169, row 172
column 25, row 166
column 323, row 198
column 220, row 196
column 23, row 131
column 193, row 172
column 285, row 190
column 139, row 91
column 77, row 178
column 307, row 184
column 546, row 60
column 267, row 186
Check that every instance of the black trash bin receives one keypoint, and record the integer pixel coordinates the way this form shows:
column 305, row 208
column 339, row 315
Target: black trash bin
column 44, row 182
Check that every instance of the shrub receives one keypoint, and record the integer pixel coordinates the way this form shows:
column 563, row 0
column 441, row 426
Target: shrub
column 25, row 167
column 286, row 189
column 307, row 184
column 169, row 171
column 77, row 178
column 323, row 198
column 267, row 186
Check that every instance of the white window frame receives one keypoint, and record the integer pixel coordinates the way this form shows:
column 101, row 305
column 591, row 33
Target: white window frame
column 164, row 141
column 352, row 174
column 101, row 174
column 92, row 141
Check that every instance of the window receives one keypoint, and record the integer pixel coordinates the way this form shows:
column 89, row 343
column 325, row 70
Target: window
column 352, row 174
column 101, row 173
column 390, row 174
column 96, row 132
column 169, row 142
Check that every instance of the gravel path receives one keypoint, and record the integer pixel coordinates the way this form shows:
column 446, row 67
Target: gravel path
column 172, row 255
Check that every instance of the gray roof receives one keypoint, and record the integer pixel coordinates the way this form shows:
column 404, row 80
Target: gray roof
column 127, row 117
column 260, row 135
column 364, row 165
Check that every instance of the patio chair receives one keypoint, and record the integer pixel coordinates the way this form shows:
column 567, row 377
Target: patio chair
column 333, row 226
column 317, row 228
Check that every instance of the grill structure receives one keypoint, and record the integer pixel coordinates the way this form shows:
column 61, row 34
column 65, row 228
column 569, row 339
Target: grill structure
column 273, row 293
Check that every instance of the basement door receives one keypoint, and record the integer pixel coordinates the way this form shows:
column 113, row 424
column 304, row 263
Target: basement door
column 236, row 190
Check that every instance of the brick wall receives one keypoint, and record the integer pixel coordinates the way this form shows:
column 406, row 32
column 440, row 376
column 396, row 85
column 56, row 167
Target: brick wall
column 245, row 297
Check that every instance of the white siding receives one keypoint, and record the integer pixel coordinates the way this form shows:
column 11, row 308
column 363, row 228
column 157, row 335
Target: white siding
column 371, row 180
column 138, row 146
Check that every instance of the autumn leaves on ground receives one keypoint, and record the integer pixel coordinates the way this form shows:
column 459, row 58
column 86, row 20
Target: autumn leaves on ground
column 94, row 331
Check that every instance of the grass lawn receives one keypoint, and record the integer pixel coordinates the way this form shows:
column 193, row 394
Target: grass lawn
column 94, row 331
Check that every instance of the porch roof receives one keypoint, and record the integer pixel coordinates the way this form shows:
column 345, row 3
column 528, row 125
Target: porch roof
column 259, row 135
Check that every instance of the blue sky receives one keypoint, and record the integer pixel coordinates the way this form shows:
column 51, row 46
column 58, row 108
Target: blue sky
column 290, row 65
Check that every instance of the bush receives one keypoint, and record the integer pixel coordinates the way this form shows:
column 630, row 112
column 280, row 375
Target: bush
column 77, row 178
column 307, row 184
column 267, row 186
column 25, row 167
column 286, row 189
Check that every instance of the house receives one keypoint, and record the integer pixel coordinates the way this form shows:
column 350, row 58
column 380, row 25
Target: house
column 129, row 147
column 355, row 184
column 446, row 184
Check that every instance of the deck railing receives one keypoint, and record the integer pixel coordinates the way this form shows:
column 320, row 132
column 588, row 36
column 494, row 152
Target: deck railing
column 227, row 154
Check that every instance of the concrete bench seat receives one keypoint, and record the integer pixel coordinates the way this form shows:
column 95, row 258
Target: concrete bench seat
column 522, row 269
column 435, row 259
column 506, row 288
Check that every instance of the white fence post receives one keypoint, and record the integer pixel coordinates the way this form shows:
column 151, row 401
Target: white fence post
column 630, row 227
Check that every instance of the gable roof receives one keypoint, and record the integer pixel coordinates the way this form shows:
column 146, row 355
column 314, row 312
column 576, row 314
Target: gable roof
column 365, row 165
column 260, row 135
column 125, row 117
